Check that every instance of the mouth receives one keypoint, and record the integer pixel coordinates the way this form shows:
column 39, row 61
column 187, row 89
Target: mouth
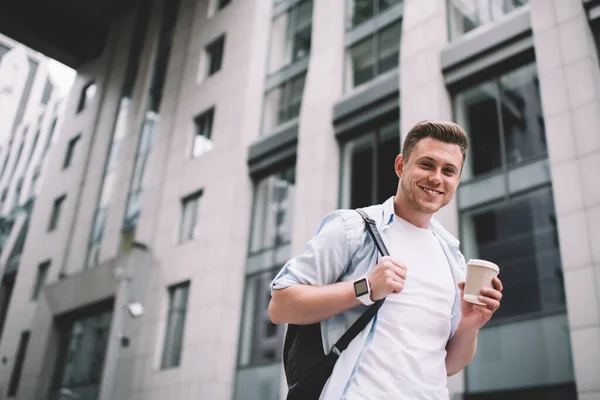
column 431, row 192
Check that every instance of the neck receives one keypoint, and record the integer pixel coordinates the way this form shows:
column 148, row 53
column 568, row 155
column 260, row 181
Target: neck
column 404, row 211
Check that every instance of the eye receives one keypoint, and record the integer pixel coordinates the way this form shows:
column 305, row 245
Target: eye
column 427, row 165
column 449, row 171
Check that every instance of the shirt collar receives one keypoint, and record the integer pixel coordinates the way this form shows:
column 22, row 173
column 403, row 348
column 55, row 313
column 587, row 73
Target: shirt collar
column 388, row 212
column 436, row 227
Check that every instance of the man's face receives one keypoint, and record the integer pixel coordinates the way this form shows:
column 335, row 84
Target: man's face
column 429, row 178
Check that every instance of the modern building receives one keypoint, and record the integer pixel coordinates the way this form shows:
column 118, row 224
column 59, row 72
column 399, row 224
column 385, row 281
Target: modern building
column 210, row 137
column 30, row 109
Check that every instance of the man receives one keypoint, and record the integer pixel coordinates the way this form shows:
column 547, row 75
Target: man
column 424, row 331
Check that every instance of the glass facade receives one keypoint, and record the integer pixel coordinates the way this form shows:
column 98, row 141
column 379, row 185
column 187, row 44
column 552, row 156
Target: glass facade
column 373, row 56
column 368, row 172
column 359, row 11
column 466, row 15
column 283, row 103
column 291, row 36
column 259, row 357
column 160, row 61
column 504, row 119
column 119, row 134
column 507, row 216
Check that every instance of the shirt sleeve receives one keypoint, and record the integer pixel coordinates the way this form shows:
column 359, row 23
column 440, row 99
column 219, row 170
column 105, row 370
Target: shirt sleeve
column 324, row 259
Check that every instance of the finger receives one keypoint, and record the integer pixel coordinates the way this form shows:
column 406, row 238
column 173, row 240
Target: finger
column 494, row 294
column 497, row 284
column 391, row 269
column 396, row 287
column 461, row 285
column 398, row 263
column 491, row 303
column 395, row 274
column 400, row 272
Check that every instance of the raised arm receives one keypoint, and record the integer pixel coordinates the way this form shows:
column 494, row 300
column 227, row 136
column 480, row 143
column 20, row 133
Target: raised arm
column 305, row 290
column 307, row 304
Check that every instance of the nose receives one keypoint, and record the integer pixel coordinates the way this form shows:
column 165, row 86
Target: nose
column 436, row 177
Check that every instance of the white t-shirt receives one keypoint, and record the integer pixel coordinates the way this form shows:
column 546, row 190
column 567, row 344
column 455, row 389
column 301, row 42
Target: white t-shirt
column 406, row 356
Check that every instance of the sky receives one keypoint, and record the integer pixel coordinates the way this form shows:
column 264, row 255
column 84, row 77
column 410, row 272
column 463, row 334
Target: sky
column 63, row 76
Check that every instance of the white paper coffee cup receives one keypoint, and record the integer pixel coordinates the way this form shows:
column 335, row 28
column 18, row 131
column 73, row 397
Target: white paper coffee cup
column 479, row 275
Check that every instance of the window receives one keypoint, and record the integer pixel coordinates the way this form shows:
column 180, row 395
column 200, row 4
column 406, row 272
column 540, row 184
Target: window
column 87, row 95
column 214, row 6
column 18, row 190
column 202, row 137
column 40, row 280
column 93, row 252
column 178, row 298
column 504, row 119
column 151, row 114
column 466, row 15
column 221, row 4
column 56, row 208
column 261, row 342
column 189, row 217
column 83, row 339
column 70, row 151
column 272, row 214
column 361, row 10
column 282, row 104
column 214, row 56
column 3, row 198
column 368, row 173
column 34, row 181
column 520, row 235
column 47, row 92
column 50, row 135
column 291, row 36
column 15, row 377
column 142, row 153
column 373, row 56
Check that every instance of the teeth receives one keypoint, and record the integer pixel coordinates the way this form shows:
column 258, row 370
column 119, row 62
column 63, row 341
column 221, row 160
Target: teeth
column 433, row 192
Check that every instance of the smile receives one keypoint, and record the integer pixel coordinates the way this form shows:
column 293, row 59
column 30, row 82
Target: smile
column 431, row 192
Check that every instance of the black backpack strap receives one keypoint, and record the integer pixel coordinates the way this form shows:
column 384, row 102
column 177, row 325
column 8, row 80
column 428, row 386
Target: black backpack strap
column 366, row 317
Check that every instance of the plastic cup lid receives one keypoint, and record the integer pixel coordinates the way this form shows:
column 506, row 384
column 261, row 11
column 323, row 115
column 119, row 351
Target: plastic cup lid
column 484, row 263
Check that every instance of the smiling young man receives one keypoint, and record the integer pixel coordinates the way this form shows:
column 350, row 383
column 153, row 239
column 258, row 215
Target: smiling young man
column 424, row 331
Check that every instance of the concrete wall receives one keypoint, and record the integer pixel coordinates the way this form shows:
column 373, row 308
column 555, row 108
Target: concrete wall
column 570, row 88
column 214, row 261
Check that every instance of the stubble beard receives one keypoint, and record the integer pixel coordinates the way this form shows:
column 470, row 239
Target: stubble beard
column 410, row 194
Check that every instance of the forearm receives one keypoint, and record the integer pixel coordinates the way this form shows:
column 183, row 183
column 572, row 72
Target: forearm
column 306, row 304
column 461, row 349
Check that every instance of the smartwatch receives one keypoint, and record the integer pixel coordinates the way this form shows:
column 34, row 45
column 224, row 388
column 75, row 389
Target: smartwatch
column 362, row 290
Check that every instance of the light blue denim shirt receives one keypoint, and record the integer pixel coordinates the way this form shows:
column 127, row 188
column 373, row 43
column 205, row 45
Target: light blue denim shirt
column 343, row 250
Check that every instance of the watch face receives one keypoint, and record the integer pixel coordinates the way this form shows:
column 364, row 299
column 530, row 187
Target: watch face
column 360, row 287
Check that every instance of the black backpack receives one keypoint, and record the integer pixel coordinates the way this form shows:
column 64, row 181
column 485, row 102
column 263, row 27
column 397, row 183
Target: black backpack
column 306, row 367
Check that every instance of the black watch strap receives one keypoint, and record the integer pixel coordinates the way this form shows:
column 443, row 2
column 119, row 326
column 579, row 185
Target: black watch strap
column 366, row 317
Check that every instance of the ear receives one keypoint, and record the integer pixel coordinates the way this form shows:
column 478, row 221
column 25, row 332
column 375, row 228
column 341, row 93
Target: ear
column 399, row 165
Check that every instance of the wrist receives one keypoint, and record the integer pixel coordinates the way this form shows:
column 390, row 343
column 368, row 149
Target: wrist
column 362, row 291
column 467, row 329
